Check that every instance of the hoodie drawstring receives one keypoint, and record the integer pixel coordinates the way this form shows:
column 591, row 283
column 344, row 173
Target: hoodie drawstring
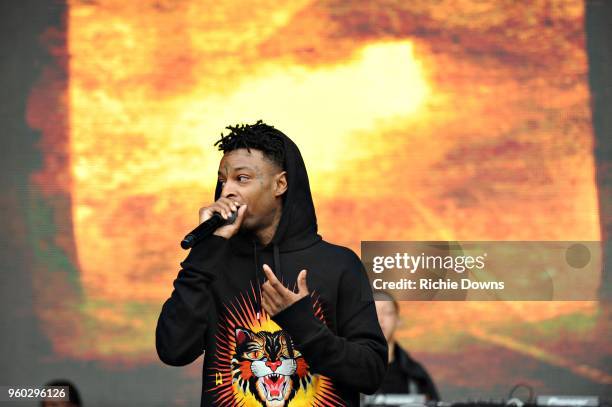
column 279, row 275
column 277, row 266
column 258, row 301
column 276, row 269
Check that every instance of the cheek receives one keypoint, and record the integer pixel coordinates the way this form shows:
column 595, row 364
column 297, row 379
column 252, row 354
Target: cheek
column 388, row 325
column 252, row 196
column 259, row 203
column 384, row 321
column 393, row 323
column 252, row 211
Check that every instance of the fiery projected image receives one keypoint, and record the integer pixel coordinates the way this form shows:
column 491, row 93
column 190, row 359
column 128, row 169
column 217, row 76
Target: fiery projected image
column 417, row 120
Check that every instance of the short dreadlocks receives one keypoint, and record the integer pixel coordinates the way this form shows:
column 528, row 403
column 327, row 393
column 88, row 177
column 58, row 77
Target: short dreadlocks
column 259, row 136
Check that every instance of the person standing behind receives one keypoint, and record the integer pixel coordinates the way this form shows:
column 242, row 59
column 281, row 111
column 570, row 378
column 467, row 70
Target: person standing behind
column 404, row 374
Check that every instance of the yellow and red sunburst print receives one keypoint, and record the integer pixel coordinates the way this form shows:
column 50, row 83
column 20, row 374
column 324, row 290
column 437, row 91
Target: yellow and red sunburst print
column 256, row 363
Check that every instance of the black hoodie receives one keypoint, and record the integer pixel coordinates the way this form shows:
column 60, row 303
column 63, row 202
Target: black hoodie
column 322, row 350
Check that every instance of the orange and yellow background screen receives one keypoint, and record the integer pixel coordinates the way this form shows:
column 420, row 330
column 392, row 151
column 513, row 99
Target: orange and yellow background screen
column 417, row 120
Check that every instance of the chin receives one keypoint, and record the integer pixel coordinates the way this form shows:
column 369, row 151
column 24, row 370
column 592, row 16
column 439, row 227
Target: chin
column 246, row 227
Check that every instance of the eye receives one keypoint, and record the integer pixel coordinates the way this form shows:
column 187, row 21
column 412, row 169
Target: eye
column 256, row 354
column 220, row 181
column 243, row 178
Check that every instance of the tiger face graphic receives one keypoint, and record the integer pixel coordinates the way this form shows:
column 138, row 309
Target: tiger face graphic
column 268, row 366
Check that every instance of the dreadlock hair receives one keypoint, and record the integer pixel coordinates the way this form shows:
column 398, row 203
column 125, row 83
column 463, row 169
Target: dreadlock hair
column 259, row 136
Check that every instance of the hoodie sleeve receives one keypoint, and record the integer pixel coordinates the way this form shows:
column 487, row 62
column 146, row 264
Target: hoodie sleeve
column 184, row 318
column 357, row 356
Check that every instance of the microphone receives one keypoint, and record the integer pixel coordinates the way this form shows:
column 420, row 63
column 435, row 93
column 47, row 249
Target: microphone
column 207, row 228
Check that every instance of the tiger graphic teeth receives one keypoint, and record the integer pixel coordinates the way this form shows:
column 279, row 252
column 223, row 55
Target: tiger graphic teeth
column 267, row 365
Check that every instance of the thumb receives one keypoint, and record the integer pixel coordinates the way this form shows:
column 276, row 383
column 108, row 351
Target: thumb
column 240, row 214
column 302, row 286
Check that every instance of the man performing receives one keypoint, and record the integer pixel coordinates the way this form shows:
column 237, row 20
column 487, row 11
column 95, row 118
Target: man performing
column 283, row 317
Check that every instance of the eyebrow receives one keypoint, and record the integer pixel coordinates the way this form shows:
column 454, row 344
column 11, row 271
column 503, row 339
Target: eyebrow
column 238, row 169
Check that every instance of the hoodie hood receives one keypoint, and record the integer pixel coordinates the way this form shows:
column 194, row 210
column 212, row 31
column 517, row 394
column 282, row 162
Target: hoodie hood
column 297, row 228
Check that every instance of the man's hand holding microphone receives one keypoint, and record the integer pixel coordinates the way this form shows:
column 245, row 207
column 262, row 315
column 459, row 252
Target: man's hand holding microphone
column 224, row 207
column 223, row 218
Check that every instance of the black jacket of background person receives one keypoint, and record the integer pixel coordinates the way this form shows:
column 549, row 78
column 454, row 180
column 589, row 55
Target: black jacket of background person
column 408, row 370
column 331, row 345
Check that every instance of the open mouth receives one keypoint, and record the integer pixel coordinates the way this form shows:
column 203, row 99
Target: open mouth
column 275, row 386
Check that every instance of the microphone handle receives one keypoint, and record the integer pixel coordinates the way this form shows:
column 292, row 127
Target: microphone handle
column 206, row 228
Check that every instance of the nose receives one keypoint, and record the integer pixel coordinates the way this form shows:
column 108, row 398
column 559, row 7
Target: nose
column 273, row 365
column 228, row 190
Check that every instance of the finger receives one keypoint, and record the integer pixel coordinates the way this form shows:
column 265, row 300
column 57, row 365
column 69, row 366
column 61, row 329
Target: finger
column 266, row 306
column 277, row 285
column 272, row 299
column 302, row 286
column 228, row 205
column 205, row 213
column 223, row 208
column 271, row 308
column 217, row 208
column 233, row 206
column 268, row 272
column 241, row 214
column 267, row 288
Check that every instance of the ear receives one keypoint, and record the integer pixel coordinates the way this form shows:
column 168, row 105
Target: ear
column 284, row 337
column 280, row 183
column 243, row 335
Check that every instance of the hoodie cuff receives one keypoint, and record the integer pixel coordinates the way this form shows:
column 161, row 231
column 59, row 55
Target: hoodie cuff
column 207, row 255
column 299, row 321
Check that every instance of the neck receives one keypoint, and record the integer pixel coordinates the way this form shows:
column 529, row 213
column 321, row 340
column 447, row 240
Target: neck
column 266, row 234
column 391, row 345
